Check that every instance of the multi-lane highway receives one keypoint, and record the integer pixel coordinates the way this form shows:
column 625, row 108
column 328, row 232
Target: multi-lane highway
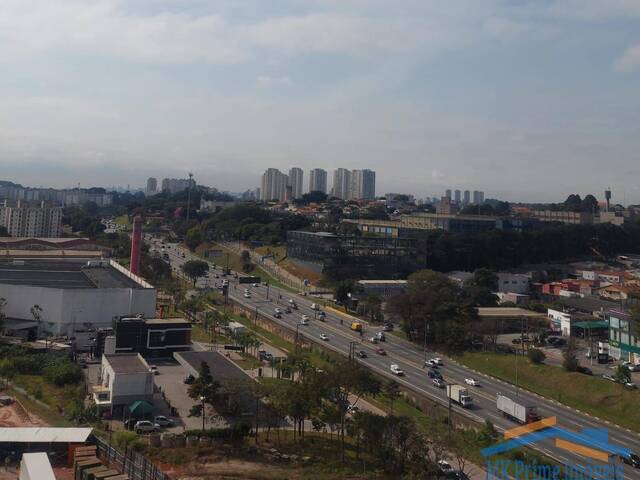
column 410, row 358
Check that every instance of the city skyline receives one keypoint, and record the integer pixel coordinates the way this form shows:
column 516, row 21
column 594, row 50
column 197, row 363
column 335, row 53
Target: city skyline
column 225, row 90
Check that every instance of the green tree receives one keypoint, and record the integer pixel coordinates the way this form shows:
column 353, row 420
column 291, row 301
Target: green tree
column 391, row 390
column 193, row 238
column 570, row 359
column 195, row 269
column 204, row 390
column 342, row 291
column 536, row 356
column 622, row 374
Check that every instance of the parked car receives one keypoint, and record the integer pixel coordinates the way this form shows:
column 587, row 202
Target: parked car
column 439, row 382
column 145, row 426
column 381, row 351
column 189, row 379
column 381, row 336
column 324, row 336
column 472, row 381
column 374, row 340
column 255, row 285
column 361, row 354
column 153, row 369
column 633, row 367
column 437, row 361
column 444, row 466
column 322, row 316
column 163, row 421
column 247, row 295
column 431, row 363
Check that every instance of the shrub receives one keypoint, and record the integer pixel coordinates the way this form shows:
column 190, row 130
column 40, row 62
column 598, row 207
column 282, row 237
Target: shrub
column 123, row 439
column 63, row 373
column 536, row 356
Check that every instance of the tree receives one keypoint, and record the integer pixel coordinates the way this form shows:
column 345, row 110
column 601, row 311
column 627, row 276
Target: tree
column 36, row 312
column 247, row 266
column 343, row 290
column 204, row 390
column 570, row 360
column 622, row 374
column 536, row 356
column 479, row 288
column 391, row 390
column 372, row 308
column 193, row 238
column 194, row 269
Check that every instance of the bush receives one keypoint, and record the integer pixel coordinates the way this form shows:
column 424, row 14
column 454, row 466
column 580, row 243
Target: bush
column 123, row 439
column 63, row 373
column 536, row 356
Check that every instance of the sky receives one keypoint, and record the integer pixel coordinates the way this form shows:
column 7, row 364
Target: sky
column 526, row 100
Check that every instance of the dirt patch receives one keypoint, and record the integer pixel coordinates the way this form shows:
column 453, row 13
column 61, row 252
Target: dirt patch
column 15, row 415
column 239, row 469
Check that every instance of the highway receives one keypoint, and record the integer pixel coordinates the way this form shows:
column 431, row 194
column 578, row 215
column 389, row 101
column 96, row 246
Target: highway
column 410, row 358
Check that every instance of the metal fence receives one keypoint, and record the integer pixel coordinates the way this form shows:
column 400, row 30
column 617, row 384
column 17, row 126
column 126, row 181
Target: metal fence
column 135, row 465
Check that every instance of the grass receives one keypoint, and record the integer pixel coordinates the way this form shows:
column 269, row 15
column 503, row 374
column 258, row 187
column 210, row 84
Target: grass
column 199, row 334
column 279, row 253
column 123, row 220
column 248, row 362
column 591, row 394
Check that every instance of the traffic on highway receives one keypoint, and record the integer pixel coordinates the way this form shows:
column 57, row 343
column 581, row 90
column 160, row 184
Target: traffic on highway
column 428, row 373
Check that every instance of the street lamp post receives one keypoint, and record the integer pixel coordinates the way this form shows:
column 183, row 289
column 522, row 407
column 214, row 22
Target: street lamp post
column 202, row 399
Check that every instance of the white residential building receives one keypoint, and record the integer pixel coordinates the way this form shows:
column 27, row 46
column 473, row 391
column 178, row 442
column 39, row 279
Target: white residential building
column 342, row 183
column 363, row 184
column 30, row 221
column 273, row 185
column 318, row 180
column 124, row 378
column 295, row 181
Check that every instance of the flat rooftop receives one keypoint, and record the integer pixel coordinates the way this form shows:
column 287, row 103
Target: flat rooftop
column 64, row 274
column 221, row 367
column 127, row 363
column 508, row 312
column 167, row 321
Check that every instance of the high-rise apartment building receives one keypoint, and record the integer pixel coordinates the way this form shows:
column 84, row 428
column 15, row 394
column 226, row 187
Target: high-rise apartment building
column 447, row 193
column 478, row 197
column 295, row 180
column 31, row 221
column 152, row 186
column 175, row 185
column 363, row 184
column 457, row 196
column 318, row 180
column 273, row 185
column 467, row 197
column 342, row 183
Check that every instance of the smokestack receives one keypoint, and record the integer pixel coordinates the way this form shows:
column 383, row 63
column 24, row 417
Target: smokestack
column 136, row 244
column 607, row 196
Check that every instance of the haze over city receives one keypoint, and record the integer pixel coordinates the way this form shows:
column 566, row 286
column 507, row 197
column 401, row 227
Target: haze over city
column 527, row 100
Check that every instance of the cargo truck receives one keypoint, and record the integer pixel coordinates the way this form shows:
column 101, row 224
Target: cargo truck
column 517, row 410
column 459, row 395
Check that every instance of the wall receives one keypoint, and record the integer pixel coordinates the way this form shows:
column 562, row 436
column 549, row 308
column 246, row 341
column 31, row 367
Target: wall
column 62, row 309
column 513, row 283
column 127, row 388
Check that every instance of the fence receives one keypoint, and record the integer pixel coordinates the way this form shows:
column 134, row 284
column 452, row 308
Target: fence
column 133, row 464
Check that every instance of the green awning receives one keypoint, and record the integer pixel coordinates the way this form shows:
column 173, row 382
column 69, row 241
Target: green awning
column 140, row 407
column 591, row 324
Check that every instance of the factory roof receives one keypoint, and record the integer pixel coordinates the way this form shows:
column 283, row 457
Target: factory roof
column 44, row 435
column 64, row 274
column 166, row 321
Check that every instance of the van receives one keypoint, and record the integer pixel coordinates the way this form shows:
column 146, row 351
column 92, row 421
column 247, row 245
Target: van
column 356, row 326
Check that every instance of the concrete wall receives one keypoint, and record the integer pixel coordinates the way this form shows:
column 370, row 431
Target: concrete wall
column 66, row 309
column 129, row 387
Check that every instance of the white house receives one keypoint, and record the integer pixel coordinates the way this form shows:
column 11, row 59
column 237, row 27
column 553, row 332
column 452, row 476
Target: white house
column 513, row 282
column 124, row 379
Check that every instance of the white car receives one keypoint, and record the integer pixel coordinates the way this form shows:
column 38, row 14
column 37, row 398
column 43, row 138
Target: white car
column 145, row 426
column 163, row 421
column 153, row 369
column 305, row 317
column 247, row 295
column 315, row 306
column 631, row 366
column 444, row 466
column 472, row 381
column 396, row 370
column 324, row 336
column 277, row 310
column 304, row 321
column 437, row 361
column 256, row 285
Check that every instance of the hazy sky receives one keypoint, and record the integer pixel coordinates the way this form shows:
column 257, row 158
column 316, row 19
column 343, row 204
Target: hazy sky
column 523, row 99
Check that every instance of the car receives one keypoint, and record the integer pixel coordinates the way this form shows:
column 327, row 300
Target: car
column 277, row 315
column 381, row 351
column 584, row 370
column 189, row 379
column 396, row 370
column 388, row 327
column 437, row 361
column 129, row 423
column 277, row 310
column 374, row 340
column 145, row 426
column 287, row 310
column 255, row 285
column 630, row 385
column 439, row 382
column 352, row 409
column 322, row 316
column 305, row 317
column 247, row 295
column 632, row 366
column 163, row 421
column 381, row 336
column 315, row 306
column 361, row 354
column 304, row 321
column 472, row 381
column 431, row 373
column 444, row 466
column 431, row 363
column 153, row 369
column 631, row 459
column 324, row 336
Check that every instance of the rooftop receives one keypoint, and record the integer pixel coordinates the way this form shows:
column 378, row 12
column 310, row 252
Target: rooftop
column 508, row 312
column 382, row 282
column 221, row 367
column 127, row 363
column 44, row 435
column 64, row 274
column 166, row 321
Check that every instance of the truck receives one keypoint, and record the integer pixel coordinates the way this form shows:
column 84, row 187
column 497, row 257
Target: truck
column 356, row 326
column 459, row 395
column 396, row 370
column 517, row 411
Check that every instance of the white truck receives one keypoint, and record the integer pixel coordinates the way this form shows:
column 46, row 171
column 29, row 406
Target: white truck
column 517, row 411
column 396, row 370
column 459, row 395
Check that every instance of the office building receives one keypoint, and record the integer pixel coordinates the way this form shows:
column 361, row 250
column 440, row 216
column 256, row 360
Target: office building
column 124, row 378
column 23, row 220
column 467, row 197
column 363, row 184
column 175, row 185
column 295, row 181
column 273, row 186
column 152, row 186
column 457, row 197
column 318, row 180
column 342, row 184
column 447, row 193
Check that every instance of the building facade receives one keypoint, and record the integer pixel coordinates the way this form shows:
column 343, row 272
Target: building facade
column 152, row 186
column 295, row 180
column 124, row 378
column 175, row 185
column 23, row 220
column 342, row 184
column 318, row 180
column 363, row 184
column 273, row 185
column 624, row 341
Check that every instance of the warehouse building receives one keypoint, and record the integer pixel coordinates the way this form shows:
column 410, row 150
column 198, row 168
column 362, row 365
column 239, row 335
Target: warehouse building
column 71, row 294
